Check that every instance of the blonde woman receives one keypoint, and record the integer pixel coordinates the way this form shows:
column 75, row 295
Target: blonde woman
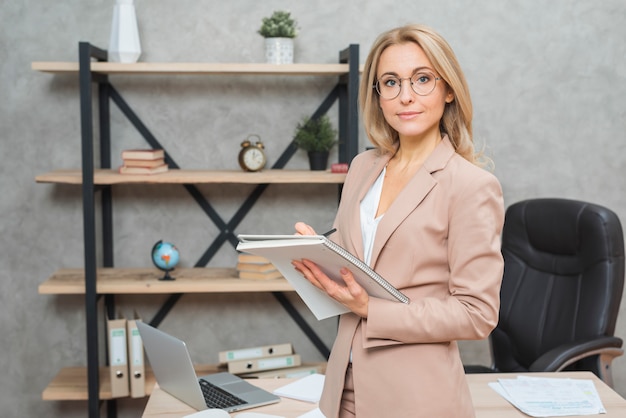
column 422, row 212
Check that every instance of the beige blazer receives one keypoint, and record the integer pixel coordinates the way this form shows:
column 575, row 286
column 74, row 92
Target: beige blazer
column 439, row 243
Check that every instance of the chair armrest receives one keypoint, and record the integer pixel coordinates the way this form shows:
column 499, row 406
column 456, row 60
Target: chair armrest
column 477, row 368
column 560, row 357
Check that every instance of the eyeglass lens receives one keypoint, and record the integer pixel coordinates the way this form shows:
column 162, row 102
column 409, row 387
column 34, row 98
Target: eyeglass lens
column 422, row 83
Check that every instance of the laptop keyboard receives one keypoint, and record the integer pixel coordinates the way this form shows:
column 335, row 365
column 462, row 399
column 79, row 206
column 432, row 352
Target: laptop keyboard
column 217, row 397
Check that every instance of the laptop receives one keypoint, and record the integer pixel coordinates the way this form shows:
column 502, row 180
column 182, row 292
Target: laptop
column 175, row 374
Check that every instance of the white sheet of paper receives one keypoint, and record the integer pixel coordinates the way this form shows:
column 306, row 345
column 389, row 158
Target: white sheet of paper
column 316, row 413
column 550, row 397
column 256, row 415
column 209, row 413
column 308, row 389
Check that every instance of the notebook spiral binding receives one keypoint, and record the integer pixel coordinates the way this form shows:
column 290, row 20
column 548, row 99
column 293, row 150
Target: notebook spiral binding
column 367, row 270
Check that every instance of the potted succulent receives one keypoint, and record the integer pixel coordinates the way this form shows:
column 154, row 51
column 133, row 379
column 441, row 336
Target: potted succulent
column 279, row 30
column 317, row 137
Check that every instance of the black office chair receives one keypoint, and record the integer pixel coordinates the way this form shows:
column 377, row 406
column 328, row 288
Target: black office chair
column 561, row 290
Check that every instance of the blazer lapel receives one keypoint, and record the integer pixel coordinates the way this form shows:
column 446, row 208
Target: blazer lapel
column 371, row 173
column 412, row 195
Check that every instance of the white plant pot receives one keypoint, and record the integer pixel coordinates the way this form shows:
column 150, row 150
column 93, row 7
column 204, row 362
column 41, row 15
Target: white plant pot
column 124, row 43
column 279, row 50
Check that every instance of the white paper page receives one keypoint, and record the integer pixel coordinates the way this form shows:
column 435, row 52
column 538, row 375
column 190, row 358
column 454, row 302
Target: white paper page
column 585, row 385
column 316, row 413
column 330, row 258
column 546, row 397
column 256, row 415
column 320, row 304
column 250, row 237
column 209, row 413
column 307, row 389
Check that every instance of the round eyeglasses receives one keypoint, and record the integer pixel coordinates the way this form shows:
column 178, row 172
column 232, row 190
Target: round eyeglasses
column 422, row 83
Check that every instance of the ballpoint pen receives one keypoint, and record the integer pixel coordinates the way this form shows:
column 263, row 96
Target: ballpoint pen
column 329, row 232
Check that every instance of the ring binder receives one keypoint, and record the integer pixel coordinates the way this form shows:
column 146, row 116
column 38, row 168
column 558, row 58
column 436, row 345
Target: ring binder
column 136, row 367
column 118, row 357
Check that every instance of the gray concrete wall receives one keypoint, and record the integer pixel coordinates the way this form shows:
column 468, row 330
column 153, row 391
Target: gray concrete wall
column 548, row 81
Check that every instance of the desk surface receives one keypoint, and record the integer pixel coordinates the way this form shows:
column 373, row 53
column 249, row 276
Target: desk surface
column 163, row 405
column 488, row 404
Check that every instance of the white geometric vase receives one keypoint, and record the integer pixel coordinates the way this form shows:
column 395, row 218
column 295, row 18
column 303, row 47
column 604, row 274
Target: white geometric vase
column 124, row 43
column 279, row 50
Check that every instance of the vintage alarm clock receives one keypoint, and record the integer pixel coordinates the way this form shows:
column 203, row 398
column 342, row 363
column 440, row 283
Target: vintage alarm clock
column 252, row 156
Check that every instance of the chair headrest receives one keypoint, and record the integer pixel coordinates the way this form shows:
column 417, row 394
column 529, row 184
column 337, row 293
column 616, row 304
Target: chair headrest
column 581, row 233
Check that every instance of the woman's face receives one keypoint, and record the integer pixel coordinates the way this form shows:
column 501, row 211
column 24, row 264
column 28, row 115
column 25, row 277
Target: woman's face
column 414, row 116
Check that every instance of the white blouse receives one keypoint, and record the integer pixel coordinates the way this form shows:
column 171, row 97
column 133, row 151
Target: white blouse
column 369, row 223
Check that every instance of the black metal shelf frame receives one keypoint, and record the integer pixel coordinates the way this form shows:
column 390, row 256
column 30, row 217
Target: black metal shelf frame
column 346, row 92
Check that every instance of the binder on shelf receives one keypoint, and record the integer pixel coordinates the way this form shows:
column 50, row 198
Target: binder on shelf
column 118, row 357
column 266, row 363
column 255, row 352
column 136, row 367
column 287, row 373
column 329, row 256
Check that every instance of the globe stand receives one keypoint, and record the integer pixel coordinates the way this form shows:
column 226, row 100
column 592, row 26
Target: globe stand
column 167, row 275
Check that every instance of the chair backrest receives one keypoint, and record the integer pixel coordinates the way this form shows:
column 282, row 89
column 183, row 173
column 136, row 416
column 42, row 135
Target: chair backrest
column 563, row 278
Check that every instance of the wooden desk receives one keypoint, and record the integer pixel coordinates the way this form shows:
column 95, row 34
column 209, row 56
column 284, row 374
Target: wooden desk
column 163, row 405
column 488, row 404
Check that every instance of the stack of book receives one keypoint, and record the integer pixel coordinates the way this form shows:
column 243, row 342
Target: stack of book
column 256, row 268
column 269, row 361
column 143, row 161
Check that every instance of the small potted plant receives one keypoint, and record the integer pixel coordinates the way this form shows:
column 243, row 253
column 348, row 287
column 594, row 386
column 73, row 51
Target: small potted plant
column 317, row 137
column 279, row 30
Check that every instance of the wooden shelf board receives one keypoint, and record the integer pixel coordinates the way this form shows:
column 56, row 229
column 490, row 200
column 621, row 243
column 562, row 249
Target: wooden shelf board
column 70, row 384
column 146, row 281
column 177, row 176
column 57, row 67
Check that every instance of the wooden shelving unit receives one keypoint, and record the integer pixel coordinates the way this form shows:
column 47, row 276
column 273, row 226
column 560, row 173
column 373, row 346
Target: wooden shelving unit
column 177, row 176
column 157, row 68
column 121, row 281
column 70, row 384
column 91, row 383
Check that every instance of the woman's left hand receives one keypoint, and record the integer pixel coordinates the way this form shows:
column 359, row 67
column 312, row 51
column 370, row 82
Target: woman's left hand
column 352, row 295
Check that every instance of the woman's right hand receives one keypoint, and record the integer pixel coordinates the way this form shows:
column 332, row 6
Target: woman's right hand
column 304, row 229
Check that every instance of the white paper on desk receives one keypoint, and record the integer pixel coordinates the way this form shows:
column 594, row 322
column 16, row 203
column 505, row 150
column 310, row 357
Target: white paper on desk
column 308, row 389
column 550, row 397
column 205, row 413
column 316, row 413
column 255, row 415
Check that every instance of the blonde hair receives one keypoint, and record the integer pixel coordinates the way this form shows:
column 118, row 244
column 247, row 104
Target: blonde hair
column 456, row 121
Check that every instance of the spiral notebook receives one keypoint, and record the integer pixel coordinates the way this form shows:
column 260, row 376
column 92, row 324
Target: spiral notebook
column 330, row 257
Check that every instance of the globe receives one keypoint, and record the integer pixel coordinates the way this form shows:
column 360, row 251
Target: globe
column 165, row 256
